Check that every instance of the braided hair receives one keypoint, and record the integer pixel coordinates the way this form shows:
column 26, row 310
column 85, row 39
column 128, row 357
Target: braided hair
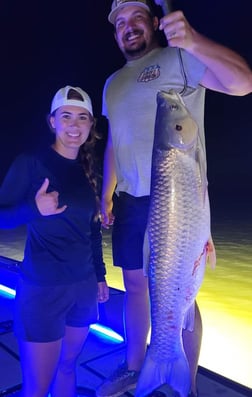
column 88, row 155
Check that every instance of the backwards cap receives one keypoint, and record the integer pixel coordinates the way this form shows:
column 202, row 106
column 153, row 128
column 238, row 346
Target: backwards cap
column 61, row 99
column 117, row 5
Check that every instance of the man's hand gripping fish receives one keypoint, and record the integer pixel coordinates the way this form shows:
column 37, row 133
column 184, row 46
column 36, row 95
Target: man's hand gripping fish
column 178, row 232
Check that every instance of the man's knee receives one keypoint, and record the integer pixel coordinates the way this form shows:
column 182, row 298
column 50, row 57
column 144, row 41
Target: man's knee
column 135, row 282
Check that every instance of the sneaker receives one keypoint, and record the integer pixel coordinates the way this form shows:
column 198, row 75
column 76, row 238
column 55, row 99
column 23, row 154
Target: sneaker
column 119, row 382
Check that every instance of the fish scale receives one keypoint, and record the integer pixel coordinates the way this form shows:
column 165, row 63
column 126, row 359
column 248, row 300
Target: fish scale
column 178, row 230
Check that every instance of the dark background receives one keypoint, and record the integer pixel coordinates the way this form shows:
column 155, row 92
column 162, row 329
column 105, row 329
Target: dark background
column 48, row 44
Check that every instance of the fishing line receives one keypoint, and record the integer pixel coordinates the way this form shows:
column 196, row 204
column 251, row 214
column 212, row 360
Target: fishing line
column 166, row 6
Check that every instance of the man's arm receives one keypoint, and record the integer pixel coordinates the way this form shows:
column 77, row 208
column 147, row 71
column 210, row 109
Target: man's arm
column 226, row 71
column 109, row 184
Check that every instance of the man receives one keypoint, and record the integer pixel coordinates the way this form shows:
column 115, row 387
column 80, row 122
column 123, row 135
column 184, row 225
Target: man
column 129, row 103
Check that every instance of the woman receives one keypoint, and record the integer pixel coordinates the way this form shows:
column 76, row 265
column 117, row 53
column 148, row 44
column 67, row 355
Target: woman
column 62, row 273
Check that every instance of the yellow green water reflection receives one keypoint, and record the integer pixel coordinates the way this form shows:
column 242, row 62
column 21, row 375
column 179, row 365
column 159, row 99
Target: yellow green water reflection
column 225, row 301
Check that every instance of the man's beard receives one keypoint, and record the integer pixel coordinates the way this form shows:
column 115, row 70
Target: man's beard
column 136, row 52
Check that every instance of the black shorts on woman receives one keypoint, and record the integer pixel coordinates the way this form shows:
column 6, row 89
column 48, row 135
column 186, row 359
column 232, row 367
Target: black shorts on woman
column 43, row 311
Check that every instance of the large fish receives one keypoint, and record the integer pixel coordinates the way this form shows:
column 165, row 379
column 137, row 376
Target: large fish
column 178, row 232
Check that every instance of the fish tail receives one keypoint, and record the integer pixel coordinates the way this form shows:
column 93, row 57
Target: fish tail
column 175, row 373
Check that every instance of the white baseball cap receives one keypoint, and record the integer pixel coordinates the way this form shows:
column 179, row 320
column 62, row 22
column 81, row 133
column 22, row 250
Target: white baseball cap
column 61, row 99
column 117, row 5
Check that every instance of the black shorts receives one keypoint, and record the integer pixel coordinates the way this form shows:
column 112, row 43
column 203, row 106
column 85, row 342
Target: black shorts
column 131, row 215
column 42, row 312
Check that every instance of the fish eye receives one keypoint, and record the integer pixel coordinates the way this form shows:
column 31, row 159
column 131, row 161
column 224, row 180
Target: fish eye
column 178, row 127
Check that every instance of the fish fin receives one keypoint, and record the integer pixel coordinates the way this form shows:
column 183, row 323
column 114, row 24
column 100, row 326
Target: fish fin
column 175, row 373
column 211, row 253
column 189, row 318
column 202, row 171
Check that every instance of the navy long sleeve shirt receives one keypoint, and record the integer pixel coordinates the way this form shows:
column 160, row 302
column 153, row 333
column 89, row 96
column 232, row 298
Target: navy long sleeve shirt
column 62, row 248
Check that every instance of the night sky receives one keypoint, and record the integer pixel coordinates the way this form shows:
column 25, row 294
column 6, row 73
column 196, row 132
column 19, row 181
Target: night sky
column 48, row 44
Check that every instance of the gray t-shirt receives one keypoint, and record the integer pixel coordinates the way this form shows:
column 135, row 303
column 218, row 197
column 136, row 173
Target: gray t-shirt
column 129, row 103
